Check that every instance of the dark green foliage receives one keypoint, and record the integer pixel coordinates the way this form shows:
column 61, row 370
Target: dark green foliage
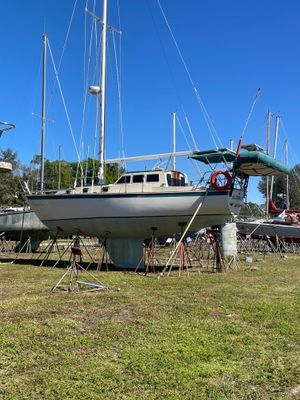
column 251, row 210
column 10, row 181
column 71, row 173
column 279, row 188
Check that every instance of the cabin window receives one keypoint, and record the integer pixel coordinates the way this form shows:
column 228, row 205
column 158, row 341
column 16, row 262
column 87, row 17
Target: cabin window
column 175, row 179
column 138, row 178
column 105, row 189
column 153, row 178
column 85, row 190
column 169, row 179
column 124, row 179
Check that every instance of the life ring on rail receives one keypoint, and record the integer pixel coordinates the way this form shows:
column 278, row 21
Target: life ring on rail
column 214, row 181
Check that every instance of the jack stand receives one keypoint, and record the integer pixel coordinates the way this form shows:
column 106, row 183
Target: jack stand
column 219, row 264
column 150, row 259
column 74, row 284
column 184, row 258
column 103, row 256
column 76, row 242
column 50, row 248
column 26, row 245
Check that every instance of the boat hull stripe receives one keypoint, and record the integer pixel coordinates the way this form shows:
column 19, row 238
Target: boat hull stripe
column 120, row 195
column 131, row 218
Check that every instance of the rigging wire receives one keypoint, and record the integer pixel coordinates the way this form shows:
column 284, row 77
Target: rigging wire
column 87, row 74
column 251, row 111
column 296, row 179
column 189, row 128
column 119, row 100
column 207, row 118
column 65, row 106
column 63, row 50
column 194, row 163
column 171, row 74
column 86, row 68
column 120, row 79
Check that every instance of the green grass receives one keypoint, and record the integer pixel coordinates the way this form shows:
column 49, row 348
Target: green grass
column 234, row 335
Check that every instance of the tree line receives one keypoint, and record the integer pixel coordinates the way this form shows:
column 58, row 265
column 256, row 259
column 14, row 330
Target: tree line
column 280, row 188
column 57, row 175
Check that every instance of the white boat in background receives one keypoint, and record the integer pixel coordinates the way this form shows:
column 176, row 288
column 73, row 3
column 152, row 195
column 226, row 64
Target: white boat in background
column 283, row 224
column 19, row 223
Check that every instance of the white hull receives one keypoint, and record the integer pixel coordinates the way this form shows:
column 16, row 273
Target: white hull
column 262, row 228
column 14, row 222
column 133, row 215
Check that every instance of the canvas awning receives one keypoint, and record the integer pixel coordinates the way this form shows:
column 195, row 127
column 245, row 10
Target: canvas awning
column 257, row 163
column 214, row 156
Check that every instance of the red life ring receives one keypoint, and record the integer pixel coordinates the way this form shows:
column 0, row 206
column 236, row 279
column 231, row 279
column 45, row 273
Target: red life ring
column 214, row 183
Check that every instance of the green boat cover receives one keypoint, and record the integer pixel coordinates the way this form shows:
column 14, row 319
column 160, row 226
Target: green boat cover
column 257, row 163
column 214, row 156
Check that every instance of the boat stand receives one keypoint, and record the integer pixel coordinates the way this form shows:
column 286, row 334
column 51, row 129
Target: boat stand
column 103, row 256
column 6, row 247
column 76, row 242
column 149, row 257
column 182, row 254
column 215, row 249
column 49, row 249
column 71, row 276
column 26, row 245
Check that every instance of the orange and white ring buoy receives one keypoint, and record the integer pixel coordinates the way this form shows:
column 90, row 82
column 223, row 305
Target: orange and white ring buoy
column 214, row 183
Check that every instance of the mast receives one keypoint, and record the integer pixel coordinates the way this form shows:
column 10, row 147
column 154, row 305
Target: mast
column 103, row 93
column 59, row 167
column 274, row 153
column 42, row 170
column 86, row 164
column 287, row 176
column 174, row 140
column 268, row 152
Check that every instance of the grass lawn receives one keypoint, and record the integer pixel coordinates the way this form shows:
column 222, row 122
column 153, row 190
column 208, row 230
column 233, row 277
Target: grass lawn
column 233, row 335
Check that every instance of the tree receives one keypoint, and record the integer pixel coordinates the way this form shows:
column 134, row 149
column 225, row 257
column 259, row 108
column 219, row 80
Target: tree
column 10, row 181
column 251, row 210
column 279, row 188
column 70, row 172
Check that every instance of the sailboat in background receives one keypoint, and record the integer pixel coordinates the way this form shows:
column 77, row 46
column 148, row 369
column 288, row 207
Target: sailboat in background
column 19, row 223
column 281, row 224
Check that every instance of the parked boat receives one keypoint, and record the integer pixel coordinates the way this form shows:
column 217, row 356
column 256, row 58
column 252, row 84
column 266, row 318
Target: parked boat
column 284, row 224
column 19, row 223
column 140, row 201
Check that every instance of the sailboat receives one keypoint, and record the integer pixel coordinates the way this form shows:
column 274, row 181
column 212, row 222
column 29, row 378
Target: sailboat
column 141, row 202
column 281, row 224
column 19, row 223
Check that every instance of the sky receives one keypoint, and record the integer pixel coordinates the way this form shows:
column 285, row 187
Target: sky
column 225, row 51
